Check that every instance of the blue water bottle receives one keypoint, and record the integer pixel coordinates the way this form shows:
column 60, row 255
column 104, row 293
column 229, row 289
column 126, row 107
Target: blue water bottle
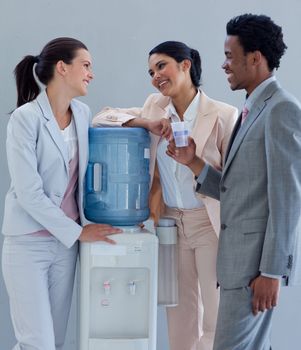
column 117, row 177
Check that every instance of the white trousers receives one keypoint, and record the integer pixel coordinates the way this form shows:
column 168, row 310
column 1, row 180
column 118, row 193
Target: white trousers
column 191, row 324
column 39, row 277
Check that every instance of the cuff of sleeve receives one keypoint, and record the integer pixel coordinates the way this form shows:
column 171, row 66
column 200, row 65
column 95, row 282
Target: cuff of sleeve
column 270, row 276
column 200, row 179
column 111, row 119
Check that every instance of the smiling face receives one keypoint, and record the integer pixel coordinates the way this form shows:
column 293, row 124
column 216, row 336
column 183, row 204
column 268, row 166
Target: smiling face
column 238, row 65
column 79, row 73
column 169, row 76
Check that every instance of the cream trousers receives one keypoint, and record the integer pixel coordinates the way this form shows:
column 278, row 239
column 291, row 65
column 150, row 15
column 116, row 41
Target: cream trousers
column 191, row 324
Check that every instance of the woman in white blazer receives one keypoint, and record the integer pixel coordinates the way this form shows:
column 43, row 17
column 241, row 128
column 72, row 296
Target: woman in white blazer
column 47, row 152
column 175, row 70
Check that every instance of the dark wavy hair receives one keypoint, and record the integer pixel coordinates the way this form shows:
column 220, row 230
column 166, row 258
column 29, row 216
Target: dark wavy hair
column 179, row 52
column 57, row 49
column 259, row 32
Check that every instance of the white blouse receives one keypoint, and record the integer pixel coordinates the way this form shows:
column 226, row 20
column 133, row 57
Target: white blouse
column 70, row 137
column 178, row 184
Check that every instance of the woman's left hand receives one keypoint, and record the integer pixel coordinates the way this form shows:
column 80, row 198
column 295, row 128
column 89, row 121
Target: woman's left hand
column 160, row 127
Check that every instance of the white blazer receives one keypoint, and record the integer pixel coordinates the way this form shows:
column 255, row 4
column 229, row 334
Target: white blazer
column 39, row 168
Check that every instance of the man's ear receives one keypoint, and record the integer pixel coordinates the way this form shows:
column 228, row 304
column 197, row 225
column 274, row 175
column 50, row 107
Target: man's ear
column 257, row 57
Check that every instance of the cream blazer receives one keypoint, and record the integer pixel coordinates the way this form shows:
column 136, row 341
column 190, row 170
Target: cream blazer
column 211, row 133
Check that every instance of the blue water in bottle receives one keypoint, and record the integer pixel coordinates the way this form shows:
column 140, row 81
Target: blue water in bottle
column 117, row 177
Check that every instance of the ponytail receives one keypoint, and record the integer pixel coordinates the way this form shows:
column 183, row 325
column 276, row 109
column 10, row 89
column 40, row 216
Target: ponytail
column 27, row 87
column 196, row 67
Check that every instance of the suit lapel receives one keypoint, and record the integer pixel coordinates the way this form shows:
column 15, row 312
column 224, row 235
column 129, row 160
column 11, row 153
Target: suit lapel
column 160, row 103
column 240, row 132
column 234, row 132
column 52, row 126
column 204, row 123
column 81, row 131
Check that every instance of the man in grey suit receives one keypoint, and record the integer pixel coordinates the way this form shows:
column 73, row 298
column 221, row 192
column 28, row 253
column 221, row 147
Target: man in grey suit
column 259, row 188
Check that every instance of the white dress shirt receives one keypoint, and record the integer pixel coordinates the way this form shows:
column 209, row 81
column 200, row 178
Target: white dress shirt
column 257, row 91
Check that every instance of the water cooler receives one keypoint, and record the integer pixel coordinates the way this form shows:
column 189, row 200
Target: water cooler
column 118, row 283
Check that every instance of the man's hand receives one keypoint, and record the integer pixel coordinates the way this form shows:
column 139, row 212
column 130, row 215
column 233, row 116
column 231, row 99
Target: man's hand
column 265, row 293
column 183, row 155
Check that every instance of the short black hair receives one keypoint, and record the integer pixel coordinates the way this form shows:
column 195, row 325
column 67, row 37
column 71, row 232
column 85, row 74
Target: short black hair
column 259, row 32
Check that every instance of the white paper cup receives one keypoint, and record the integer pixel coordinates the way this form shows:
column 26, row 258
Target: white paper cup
column 180, row 134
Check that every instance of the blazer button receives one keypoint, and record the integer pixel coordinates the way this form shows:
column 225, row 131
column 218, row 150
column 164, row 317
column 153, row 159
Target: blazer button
column 223, row 226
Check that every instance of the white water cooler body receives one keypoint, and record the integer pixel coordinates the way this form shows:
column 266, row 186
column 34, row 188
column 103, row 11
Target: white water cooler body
column 118, row 292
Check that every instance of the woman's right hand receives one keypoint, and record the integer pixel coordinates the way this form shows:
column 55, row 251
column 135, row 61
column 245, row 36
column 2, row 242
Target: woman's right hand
column 160, row 127
column 98, row 232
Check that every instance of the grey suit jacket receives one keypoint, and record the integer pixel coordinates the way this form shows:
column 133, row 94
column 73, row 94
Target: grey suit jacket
column 260, row 193
column 39, row 168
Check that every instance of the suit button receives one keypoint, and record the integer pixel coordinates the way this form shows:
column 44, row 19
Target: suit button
column 223, row 189
column 223, row 226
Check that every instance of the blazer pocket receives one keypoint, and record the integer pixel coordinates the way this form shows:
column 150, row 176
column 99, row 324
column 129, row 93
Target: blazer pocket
column 251, row 226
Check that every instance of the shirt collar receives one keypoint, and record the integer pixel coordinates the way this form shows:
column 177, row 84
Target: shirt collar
column 190, row 112
column 257, row 91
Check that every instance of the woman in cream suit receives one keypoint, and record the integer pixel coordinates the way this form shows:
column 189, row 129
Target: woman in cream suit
column 47, row 151
column 175, row 70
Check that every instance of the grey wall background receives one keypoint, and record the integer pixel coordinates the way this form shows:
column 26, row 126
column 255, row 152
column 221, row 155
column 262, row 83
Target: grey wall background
column 119, row 34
